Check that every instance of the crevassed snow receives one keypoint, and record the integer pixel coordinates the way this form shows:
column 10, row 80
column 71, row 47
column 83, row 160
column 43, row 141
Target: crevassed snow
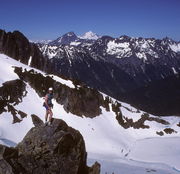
column 175, row 47
column 119, row 49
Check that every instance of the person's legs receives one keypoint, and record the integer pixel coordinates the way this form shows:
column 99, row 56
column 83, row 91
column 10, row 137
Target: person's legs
column 50, row 115
column 46, row 115
column 47, row 112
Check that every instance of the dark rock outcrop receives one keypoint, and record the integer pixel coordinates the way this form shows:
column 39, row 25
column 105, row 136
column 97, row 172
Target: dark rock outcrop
column 169, row 131
column 127, row 123
column 36, row 121
column 95, row 169
column 160, row 133
column 17, row 46
column 178, row 124
column 81, row 101
column 11, row 94
column 55, row 149
column 7, row 160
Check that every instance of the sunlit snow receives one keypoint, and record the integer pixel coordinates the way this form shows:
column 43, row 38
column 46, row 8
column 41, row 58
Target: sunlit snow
column 175, row 47
column 119, row 49
column 119, row 150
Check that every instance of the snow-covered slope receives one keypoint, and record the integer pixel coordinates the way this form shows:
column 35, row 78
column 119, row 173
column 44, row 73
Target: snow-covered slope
column 119, row 150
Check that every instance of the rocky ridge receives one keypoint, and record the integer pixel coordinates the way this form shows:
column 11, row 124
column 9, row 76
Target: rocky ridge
column 16, row 45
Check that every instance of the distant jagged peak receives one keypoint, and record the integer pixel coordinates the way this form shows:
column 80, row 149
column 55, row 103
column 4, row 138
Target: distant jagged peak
column 67, row 35
column 65, row 39
column 168, row 39
column 71, row 33
column 90, row 36
column 124, row 37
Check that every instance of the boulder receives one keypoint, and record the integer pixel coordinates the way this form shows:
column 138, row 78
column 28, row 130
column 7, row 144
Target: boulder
column 54, row 149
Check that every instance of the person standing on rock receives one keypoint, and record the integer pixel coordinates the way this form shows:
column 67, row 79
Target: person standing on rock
column 48, row 105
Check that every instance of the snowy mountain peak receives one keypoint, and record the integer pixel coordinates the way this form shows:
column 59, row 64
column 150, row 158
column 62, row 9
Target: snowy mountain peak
column 90, row 35
column 71, row 33
column 68, row 36
column 65, row 39
column 124, row 37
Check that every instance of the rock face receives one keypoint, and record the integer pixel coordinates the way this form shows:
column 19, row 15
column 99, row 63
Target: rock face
column 81, row 101
column 11, row 94
column 17, row 46
column 55, row 149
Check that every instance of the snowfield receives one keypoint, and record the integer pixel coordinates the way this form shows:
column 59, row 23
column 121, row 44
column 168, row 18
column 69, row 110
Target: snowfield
column 119, row 150
column 7, row 71
column 175, row 47
column 119, row 49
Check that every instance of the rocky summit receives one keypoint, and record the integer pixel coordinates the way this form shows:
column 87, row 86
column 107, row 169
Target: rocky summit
column 54, row 149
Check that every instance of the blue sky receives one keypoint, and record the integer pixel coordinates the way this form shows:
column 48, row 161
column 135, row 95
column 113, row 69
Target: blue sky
column 48, row 19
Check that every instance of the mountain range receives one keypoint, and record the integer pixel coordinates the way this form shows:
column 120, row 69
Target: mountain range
column 85, row 76
column 134, row 70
